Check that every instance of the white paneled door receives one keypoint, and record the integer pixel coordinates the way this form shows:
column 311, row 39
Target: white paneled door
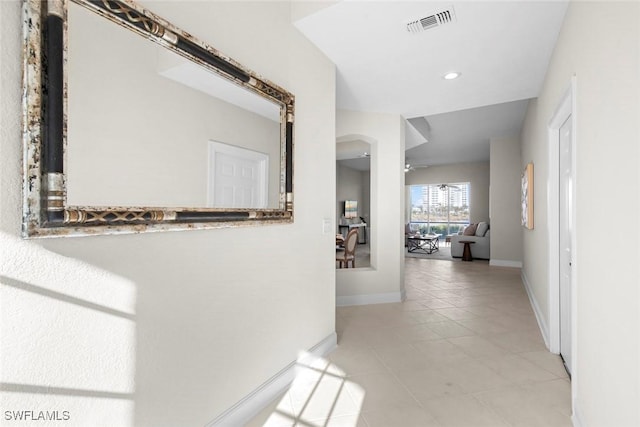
column 565, row 231
column 238, row 178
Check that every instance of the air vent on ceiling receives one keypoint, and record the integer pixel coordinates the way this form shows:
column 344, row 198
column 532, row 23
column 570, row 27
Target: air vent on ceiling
column 437, row 19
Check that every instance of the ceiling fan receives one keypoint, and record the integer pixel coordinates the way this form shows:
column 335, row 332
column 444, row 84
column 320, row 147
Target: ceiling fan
column 443, row 187
column 408, row 167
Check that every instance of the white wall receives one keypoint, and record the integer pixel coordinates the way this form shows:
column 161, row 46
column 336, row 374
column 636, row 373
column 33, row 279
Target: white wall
column 350, row 185
column 171, row 329
column 384, row 281
column 366, row 195
column 506, row 233
column 476, row 173
column 599, row 44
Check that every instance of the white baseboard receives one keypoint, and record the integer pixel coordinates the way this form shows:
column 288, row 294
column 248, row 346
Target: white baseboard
column 249, row 406
column 505, row 263
column 343, row 301
column 542, row 324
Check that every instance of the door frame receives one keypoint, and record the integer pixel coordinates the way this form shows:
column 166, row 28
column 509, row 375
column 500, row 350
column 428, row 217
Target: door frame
column 566, row 107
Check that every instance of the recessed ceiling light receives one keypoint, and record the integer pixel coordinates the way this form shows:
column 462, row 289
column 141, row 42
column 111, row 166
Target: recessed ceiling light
column 452, row 75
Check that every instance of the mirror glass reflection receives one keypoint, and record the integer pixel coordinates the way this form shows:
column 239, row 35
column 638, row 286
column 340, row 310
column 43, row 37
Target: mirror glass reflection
column 353, row 199
column 148, row 128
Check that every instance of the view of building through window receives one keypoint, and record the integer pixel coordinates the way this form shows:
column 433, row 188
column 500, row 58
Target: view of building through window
column 440, row 208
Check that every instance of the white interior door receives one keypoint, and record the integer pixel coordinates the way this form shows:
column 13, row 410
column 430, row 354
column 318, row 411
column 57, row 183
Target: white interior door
column 237, row 177
column 565, row 231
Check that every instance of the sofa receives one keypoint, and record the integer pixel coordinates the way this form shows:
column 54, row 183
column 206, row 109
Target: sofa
column 409, row 229
column 478, row 233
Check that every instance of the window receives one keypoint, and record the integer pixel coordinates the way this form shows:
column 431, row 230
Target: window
column 440, row 208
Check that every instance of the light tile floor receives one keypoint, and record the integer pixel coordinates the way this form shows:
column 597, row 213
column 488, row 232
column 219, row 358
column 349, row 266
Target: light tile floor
column 463, row 350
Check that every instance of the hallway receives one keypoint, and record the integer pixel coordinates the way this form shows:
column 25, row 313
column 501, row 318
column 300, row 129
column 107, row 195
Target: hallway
column 463, row 350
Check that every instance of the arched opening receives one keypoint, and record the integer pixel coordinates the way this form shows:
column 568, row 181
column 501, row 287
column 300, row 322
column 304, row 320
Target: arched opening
column 353, row 195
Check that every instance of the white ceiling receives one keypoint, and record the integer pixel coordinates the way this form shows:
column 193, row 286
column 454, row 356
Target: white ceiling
column 463, row 136
column 354, row 154
column 501, row 48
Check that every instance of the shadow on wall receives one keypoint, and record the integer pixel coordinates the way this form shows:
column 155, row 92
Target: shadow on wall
column 68, row 339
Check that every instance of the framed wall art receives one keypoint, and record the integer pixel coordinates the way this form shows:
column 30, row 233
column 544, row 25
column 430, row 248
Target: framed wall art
column 526, row 195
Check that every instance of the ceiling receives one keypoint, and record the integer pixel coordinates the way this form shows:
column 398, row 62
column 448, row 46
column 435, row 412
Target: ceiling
column 463, row 136
column 501, row 48
column 354, row 153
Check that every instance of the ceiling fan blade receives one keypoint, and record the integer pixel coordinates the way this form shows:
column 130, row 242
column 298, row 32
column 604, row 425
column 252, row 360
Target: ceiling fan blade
column 408, row 166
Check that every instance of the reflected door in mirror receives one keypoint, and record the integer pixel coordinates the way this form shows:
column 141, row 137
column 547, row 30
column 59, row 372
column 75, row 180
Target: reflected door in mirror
column 238, row 177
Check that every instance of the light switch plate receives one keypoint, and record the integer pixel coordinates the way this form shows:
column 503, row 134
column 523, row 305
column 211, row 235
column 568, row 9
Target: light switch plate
column 327, row 226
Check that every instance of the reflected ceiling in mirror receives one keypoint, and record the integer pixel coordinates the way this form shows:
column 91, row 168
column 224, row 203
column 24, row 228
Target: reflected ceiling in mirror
column 155, row 132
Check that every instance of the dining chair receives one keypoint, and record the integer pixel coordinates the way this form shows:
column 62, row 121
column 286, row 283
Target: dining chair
column 349, row 254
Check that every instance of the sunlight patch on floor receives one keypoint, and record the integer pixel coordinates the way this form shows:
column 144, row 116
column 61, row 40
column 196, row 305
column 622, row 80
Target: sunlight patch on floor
column 321, row 394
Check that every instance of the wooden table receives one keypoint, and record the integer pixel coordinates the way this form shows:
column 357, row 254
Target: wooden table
column 466, row 252
column 362, row 231
column 447, row 239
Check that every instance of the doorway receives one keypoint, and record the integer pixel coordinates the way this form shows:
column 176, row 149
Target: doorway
column 561, row 231
column 353, row 194
column 565, row 232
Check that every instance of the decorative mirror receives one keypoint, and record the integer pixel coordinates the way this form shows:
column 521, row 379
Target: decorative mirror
column 124, row 133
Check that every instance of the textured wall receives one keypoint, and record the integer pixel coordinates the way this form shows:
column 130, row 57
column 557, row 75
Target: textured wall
column 599, row 45
column 171, row 328
column 506, row 232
